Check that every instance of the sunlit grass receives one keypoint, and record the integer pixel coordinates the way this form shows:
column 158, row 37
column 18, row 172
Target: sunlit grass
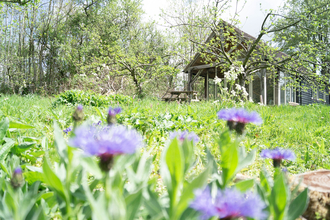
column 304, row 129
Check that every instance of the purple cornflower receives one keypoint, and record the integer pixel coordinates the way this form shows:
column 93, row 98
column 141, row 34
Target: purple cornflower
column 228, row 204
column 66, row 131
column 18, row 170
column 278, row 154
column 17, row 179
column 237, row 118
column 106, row 142
column 182, row 135
column 112, row 112
column 97, row 124
column 78, row 114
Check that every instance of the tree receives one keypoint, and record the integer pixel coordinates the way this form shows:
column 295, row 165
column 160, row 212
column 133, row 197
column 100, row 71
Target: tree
column 229, row 46
column 309, row 38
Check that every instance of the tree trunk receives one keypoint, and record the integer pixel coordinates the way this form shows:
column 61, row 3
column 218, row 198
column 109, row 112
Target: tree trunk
column 137, row 84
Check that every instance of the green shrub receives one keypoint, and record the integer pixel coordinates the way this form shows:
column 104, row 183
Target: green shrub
column 75, row 97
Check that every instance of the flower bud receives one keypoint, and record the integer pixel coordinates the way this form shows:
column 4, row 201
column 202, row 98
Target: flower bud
column 17, row 179
column 78, row 114
column 106, row 162
column 112, row 112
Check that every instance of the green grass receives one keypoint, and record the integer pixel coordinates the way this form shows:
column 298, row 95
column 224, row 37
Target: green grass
column 304, row 129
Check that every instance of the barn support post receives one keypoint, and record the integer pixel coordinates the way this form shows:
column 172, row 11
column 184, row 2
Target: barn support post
column 265, row 87
column 251, row 88
column 207, row 85
column 274, row 91
column 279, row 89
column 215, row 85
column 189, row 84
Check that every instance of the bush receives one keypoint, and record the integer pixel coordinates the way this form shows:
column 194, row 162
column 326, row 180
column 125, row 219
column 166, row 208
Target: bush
column 75, row 97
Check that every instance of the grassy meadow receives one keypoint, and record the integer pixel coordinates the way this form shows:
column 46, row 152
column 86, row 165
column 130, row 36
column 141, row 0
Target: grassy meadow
column 304, row 129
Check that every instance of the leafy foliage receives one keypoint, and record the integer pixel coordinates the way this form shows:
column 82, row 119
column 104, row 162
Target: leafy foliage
column 75, row 97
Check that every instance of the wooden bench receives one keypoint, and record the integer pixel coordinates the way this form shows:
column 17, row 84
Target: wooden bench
column 176, row 96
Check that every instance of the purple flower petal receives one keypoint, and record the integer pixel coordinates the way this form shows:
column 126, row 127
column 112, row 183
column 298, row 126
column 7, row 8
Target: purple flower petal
column 18, row 170
column 106, row 140
column 66, row 131
column 114, row 111
column 182, row 135
column 278, row 154
column 229, row 203
column 80, row 107
column 203, row 203
column 239, row 115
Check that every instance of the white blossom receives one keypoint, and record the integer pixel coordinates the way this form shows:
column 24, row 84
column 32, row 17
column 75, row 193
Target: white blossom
column 217, row 80
column 244, row 92
column 233, row 92
column 233, row 72
column 238, row 87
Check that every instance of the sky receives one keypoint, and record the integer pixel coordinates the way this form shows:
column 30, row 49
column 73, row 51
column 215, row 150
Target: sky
column 251, row 16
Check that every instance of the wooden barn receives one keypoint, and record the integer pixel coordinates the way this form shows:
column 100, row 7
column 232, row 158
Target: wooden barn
column 264, row 88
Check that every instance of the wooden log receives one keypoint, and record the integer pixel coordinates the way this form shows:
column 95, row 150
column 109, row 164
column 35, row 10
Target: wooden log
column 293, row 103
column 318, row 183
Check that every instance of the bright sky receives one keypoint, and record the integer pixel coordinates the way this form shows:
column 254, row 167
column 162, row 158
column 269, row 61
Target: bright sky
column 251, row 16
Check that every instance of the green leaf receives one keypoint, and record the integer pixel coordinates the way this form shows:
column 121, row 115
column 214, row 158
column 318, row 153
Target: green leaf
column 99, row 113
column 298, row 205
column 188, row 191
column 152, row 204
column 10, row 202
column 144, row 167
column 20, row 148
column 32, row 177
column 98, row 207
column 188, row 154
column 4, row 168
column 172, row 171
column 4, row 125
column 279, row 197
column 92, row 167
column 229, row 161
column 133, row 203
column 264, row 182
column 18, row 125
column 175, row 164
column 5, row 148
column 52, row 180
column 249, row 159
column 245, row 185
column 60, row 142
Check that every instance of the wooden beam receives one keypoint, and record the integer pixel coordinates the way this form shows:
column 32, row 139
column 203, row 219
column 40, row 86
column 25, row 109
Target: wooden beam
column 205, row 66
column 196, row 76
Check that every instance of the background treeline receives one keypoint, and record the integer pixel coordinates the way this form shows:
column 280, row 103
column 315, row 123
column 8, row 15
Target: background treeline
column 106, row 46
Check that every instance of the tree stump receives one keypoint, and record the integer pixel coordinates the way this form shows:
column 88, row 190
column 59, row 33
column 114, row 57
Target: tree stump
column 318, row 183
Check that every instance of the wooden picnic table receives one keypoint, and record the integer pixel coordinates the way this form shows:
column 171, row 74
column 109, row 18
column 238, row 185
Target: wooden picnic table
column 175, row 95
